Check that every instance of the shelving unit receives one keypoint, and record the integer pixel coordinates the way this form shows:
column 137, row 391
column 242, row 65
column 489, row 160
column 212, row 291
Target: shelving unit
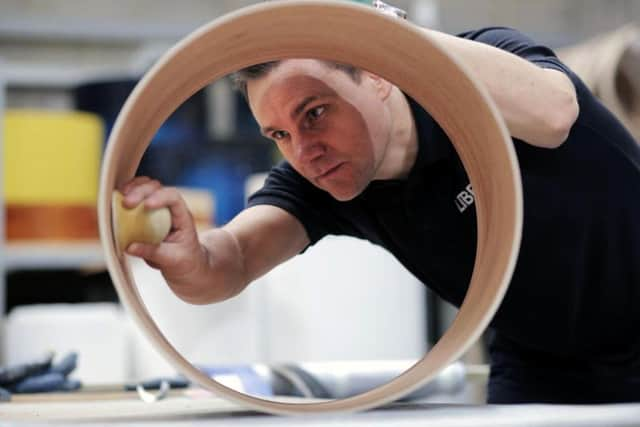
column 38, row 255
column 53, row 76
column 92, row 29
column 3, row 250
column 122, row 40
column 19, row 72
column 53, row 255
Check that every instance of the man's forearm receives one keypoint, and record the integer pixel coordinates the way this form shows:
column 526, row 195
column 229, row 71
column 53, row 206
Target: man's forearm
column 538, row 105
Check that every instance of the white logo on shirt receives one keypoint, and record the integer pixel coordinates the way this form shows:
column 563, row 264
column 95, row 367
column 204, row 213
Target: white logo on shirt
column 465, row 198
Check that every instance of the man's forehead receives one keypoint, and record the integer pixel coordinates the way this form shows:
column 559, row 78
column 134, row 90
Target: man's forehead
column 291, row 76
column 303, row 65
column 297, row 71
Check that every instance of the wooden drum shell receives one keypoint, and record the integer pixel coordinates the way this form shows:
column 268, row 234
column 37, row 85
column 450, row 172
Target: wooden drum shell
column 394, row 49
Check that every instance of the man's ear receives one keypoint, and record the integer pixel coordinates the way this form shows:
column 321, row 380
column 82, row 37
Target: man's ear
column 382, row 86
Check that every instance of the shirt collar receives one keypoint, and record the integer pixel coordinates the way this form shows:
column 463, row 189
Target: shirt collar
column 433, row 144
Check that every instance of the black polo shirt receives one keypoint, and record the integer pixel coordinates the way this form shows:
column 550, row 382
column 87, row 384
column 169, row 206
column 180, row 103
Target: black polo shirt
column 575, row 289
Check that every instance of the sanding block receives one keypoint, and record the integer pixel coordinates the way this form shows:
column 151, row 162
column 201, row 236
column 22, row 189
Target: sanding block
column 138, row 224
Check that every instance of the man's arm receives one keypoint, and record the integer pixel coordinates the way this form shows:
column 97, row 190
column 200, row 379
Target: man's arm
column 539, row 105
column 218, row 263
column 255, row 241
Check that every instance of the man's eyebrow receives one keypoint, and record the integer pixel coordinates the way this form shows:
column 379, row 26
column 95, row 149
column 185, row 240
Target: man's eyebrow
column 296, row 112
column 302, row 105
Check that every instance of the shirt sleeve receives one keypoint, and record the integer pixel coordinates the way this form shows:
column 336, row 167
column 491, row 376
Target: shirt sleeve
column 519, row 44
column 513, row 41
column 288, row 190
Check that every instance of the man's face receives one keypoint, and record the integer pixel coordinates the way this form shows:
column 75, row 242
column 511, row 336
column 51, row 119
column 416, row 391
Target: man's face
column 333, row 130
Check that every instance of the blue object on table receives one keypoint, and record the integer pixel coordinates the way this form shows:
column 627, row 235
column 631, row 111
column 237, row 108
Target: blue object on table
column 251, row 381
column 40, row 383
column 12, row 374
column 39, row 376
column 66, row 365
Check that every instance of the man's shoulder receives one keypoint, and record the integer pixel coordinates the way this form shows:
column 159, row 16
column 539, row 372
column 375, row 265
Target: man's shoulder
column 506, row 38
column 486, row 32
column 283, row 181
column 285, row 168
column 283, row 174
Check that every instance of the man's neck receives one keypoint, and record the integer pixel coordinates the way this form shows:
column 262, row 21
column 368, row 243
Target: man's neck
column 402, row 149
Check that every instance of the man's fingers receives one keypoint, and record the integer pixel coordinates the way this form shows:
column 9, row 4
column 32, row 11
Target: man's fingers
column 154, row 195
column 168, row 196
column 138, row 180
column 139, row 191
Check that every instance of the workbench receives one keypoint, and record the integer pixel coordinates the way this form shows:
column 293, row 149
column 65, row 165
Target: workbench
column 180, row 411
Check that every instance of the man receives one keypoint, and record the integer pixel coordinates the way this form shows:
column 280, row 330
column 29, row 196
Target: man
column 363, row 159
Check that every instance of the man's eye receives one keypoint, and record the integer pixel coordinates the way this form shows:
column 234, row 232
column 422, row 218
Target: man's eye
column 279, row 134
column 315, row 113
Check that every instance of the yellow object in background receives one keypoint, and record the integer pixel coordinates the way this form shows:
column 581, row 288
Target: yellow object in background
column 51, row 157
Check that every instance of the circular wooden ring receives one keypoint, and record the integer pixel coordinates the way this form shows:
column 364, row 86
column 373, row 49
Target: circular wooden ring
column 392, row 48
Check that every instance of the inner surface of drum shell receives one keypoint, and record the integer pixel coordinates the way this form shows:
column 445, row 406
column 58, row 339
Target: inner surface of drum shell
column 391, row 48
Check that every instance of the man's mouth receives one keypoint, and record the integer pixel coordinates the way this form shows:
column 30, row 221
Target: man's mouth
column 329, row 171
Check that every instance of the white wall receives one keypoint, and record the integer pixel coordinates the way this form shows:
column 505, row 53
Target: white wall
column 344, row 299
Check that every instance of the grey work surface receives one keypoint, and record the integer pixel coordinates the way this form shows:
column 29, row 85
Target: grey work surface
column 177, row 412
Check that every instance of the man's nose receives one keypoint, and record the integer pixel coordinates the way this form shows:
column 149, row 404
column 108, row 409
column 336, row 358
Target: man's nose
column 309, row 147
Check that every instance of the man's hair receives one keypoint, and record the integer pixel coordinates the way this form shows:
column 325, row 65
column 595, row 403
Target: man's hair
column 254, row 72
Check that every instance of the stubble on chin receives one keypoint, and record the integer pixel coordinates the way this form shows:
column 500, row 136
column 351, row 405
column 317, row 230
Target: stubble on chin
column 346, row 193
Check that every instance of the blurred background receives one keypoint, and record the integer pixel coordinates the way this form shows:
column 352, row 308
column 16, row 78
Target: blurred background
column 66, row 68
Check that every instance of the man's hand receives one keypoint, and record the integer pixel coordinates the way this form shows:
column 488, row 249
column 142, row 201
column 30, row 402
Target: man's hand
column 219, row 263
column 181, row 258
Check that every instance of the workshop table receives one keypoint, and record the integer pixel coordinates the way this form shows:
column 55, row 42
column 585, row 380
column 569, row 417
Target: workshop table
column 177, row 411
